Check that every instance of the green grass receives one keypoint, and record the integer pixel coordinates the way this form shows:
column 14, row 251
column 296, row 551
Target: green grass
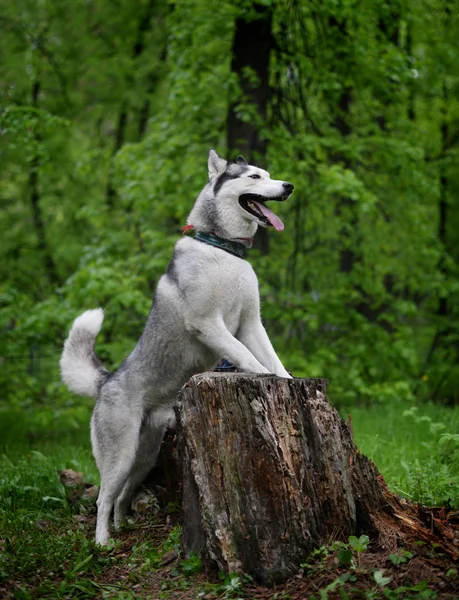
column 415, row 448
column 46, row 553
column 39, row 537
column 34, row 446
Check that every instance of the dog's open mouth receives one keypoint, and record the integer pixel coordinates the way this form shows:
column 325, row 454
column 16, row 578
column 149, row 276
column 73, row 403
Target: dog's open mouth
column 255, row 205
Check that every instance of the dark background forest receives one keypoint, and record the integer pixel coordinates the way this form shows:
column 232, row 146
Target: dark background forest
column 108, row 110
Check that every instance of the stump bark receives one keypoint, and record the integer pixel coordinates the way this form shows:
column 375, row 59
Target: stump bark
column 271, row 472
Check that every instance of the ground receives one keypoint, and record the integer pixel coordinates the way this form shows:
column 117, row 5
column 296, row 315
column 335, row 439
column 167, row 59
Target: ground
column 46, row 526
column 146, row 562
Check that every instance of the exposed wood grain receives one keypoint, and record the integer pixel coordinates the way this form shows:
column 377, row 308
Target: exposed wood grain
column 271, row 470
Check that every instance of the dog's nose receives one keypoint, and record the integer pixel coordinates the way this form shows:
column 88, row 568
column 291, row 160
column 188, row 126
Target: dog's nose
column 288, row 186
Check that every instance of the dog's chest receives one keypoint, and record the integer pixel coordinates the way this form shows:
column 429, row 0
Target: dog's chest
column 239, row 295
column 214, row 283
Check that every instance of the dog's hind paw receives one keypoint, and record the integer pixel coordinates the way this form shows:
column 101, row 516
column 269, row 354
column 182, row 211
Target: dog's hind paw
column 103, row 538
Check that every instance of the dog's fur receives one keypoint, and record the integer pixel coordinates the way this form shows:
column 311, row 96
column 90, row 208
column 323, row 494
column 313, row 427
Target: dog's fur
column 206, row 308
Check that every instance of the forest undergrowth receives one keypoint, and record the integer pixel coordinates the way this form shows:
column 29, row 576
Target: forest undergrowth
column 46, row 547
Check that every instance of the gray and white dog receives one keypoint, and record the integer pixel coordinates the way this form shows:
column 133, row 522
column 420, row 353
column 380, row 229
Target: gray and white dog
column 206, row 307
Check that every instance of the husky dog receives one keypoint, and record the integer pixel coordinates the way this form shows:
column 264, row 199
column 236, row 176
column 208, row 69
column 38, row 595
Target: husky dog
column 206, row 307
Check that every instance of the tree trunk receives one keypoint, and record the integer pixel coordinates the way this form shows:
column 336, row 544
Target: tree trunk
column 270, row 472
column 34, row 191
column 251, row 51
column 123, row 116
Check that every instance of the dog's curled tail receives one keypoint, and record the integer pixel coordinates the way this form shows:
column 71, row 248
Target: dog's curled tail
column 81, row 370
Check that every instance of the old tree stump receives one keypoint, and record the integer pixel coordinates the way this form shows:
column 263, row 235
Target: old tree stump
column 271, row 472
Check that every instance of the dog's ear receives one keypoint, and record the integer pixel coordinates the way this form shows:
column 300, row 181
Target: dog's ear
column 216, row 164
column 240, row 160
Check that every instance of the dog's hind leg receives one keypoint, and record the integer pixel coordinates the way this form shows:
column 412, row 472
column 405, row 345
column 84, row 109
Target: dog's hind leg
column 115, row 439
column 151, row 436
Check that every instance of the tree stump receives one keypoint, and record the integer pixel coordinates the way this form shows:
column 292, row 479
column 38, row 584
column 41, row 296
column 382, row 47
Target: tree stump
column 270, row 472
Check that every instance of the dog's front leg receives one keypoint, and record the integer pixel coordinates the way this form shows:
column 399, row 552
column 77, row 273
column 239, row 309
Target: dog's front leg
column 253, row 335
column 214, row 334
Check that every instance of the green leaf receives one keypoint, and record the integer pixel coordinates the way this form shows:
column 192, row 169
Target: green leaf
column 396, row 559
column 192, row 564
column 80, row 566
column 344, row 556
column 380, row 579
column 53, row 499
column 359, row 544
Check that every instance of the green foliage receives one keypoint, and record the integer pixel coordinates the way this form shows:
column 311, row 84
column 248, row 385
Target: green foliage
column 151, row 555
column 344, row 556
column 413, row 448
column 359, row 581
column 29, row 480
column 229, row 586
column 398, row 559
column 380, row 579
column 360, row 544
column 110, row 110
column 345, row 553
column 192, row 564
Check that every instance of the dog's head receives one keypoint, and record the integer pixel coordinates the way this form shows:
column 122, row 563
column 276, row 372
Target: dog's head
column 233, row 203
column 247, row 187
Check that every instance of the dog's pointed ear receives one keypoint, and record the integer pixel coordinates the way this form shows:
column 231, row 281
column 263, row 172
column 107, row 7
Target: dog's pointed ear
column 215, row 163
column 240, row 160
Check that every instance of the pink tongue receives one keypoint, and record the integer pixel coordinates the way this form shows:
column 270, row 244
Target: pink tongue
column 272, row 218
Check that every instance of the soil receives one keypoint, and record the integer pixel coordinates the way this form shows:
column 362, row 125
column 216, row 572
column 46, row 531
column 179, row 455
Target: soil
column 430, row 563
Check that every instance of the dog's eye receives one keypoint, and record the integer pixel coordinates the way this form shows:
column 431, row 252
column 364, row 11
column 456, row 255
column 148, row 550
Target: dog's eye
column 255, row 176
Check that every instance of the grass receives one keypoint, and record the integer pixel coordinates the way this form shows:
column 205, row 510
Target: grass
column 45, row 552
column 415, row 448
column 36, row 516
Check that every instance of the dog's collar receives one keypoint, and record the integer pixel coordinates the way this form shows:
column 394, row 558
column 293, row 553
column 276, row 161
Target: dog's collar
column 234, row 248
